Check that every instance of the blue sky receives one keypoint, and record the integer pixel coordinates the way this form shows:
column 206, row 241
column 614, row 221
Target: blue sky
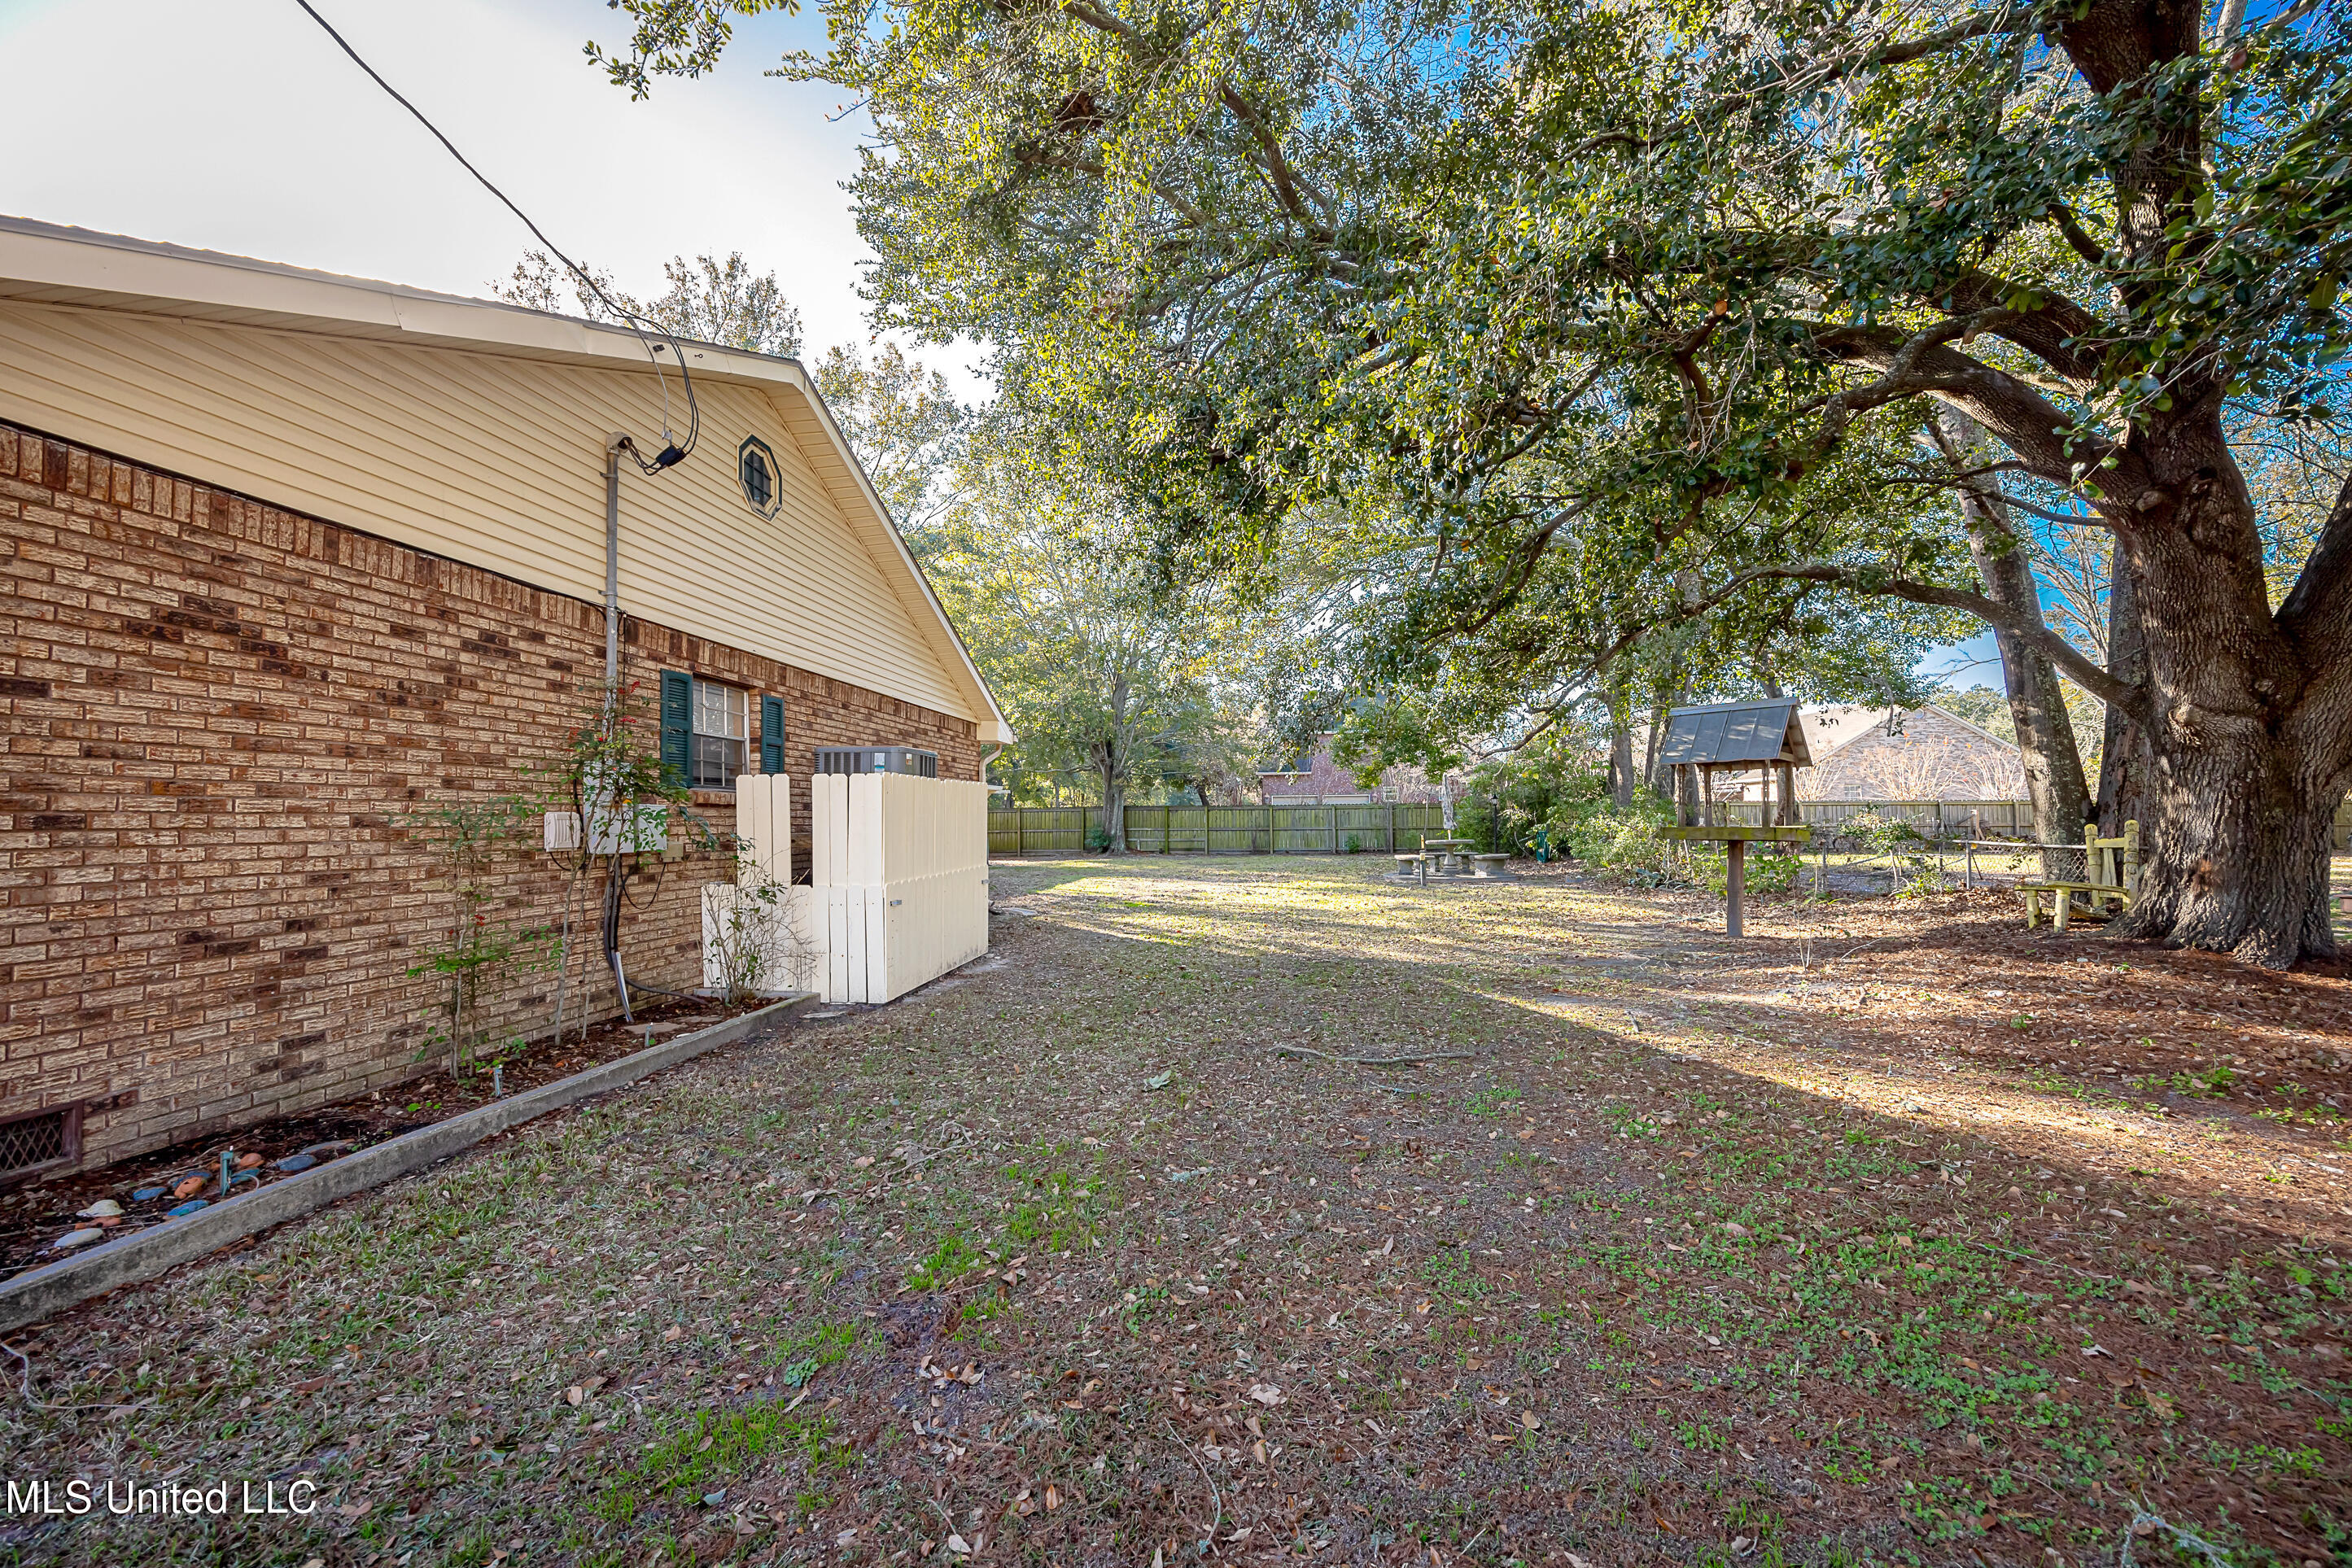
column 235, row 125
column 1975, row 663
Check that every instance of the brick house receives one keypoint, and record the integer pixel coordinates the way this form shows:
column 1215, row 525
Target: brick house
column 1934, row 756
column 285, row 557
column 1318, row 779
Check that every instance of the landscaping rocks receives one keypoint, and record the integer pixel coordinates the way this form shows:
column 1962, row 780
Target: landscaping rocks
column 329, row 1149
column 293, row 1163
column 73, row 1238
column 186, row 1208
column 101, row 1210
column 149, row 1193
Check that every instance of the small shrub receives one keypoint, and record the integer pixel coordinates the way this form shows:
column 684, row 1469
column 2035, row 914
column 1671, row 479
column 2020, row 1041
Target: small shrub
column 1766, row 873
column 1629, row 844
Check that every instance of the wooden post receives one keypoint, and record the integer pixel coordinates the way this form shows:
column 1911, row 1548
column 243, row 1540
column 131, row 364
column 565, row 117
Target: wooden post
column 1737, row 887
column 1020, row 831
column 1335, row 829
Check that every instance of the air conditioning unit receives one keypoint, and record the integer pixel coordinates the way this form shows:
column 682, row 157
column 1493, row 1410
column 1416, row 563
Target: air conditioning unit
column 877, row 760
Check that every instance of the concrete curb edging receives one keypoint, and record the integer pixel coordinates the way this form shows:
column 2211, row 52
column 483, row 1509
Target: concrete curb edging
column 54, row 1287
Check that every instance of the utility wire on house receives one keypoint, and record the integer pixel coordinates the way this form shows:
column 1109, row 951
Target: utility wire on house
column 674, row 450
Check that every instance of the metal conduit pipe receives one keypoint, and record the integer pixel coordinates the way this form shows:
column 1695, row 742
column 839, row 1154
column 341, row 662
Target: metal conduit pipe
column 615, row 444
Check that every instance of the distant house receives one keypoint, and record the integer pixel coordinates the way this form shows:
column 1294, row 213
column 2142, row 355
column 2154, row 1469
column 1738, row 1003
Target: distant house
column 1317, row 779
column 1931, row 755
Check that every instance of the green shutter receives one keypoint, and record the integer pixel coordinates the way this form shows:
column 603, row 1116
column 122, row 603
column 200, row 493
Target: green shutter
column 677, row 724
column 772, row 735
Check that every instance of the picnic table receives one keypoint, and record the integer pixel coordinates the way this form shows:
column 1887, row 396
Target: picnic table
column 1449, row 853
column 1450, row 858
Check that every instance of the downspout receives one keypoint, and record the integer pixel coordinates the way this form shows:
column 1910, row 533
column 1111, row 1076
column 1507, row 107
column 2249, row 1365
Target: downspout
column 614, row 872
column 613, row 445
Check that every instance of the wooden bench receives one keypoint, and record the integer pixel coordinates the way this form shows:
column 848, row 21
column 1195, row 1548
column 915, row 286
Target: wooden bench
column 2111, row 867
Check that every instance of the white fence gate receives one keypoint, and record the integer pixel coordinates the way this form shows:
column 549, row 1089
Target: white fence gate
column 897, row 891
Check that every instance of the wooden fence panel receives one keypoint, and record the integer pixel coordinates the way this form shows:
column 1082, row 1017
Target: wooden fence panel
column 1236, row 830
column 1056, row 831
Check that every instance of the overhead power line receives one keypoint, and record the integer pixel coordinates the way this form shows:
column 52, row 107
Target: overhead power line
column 674, row 451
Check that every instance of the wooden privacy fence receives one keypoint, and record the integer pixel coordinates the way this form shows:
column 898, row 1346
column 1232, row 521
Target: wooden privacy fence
column 1016, row 831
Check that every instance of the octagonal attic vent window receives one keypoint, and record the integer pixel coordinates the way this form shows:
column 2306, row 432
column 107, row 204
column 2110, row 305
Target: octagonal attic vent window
column 756, row 466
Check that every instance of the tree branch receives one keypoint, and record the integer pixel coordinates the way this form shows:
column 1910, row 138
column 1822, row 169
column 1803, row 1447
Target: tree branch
column 2131, row 699
column 1287, row 182
column 2028, row 423
column 2055, row 332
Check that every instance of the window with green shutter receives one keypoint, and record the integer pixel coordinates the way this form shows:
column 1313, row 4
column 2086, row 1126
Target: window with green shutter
column 677, row 724
column 772, row 735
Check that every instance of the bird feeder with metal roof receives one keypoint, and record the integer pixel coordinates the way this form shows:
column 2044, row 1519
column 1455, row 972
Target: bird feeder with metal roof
column 1715, row 739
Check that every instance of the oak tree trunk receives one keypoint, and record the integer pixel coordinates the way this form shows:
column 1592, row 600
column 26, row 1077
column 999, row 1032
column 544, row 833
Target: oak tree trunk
column 1650, row 746
column 2247, row 717
column 1114, row 815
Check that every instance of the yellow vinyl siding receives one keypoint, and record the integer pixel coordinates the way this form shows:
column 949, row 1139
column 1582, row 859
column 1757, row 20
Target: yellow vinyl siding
column 498, row 462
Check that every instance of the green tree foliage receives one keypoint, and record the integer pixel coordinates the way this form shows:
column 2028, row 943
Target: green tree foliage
column 1103, row 674
column 904, row 424
column 1668, row 291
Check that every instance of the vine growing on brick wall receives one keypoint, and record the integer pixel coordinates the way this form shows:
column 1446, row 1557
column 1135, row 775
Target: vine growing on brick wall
column 623, row 804
column 467, row 839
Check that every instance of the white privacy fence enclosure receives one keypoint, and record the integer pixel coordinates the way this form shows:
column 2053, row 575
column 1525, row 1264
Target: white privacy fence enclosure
column 898, row 890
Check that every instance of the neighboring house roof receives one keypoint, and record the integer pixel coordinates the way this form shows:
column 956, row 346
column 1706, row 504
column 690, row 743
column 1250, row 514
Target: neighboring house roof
column 1735, row 733
column 1831, row 726
column 1937, row 755
column 55, row 271
column 1320, row 777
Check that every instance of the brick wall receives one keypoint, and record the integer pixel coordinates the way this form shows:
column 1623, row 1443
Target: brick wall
column 217, row 714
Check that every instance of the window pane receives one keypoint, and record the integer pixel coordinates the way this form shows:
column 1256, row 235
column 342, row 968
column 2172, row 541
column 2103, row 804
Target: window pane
column 716, row 761
column 721, row 710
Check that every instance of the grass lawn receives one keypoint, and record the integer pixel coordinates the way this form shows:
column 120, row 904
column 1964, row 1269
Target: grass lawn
column 1893, row 1233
